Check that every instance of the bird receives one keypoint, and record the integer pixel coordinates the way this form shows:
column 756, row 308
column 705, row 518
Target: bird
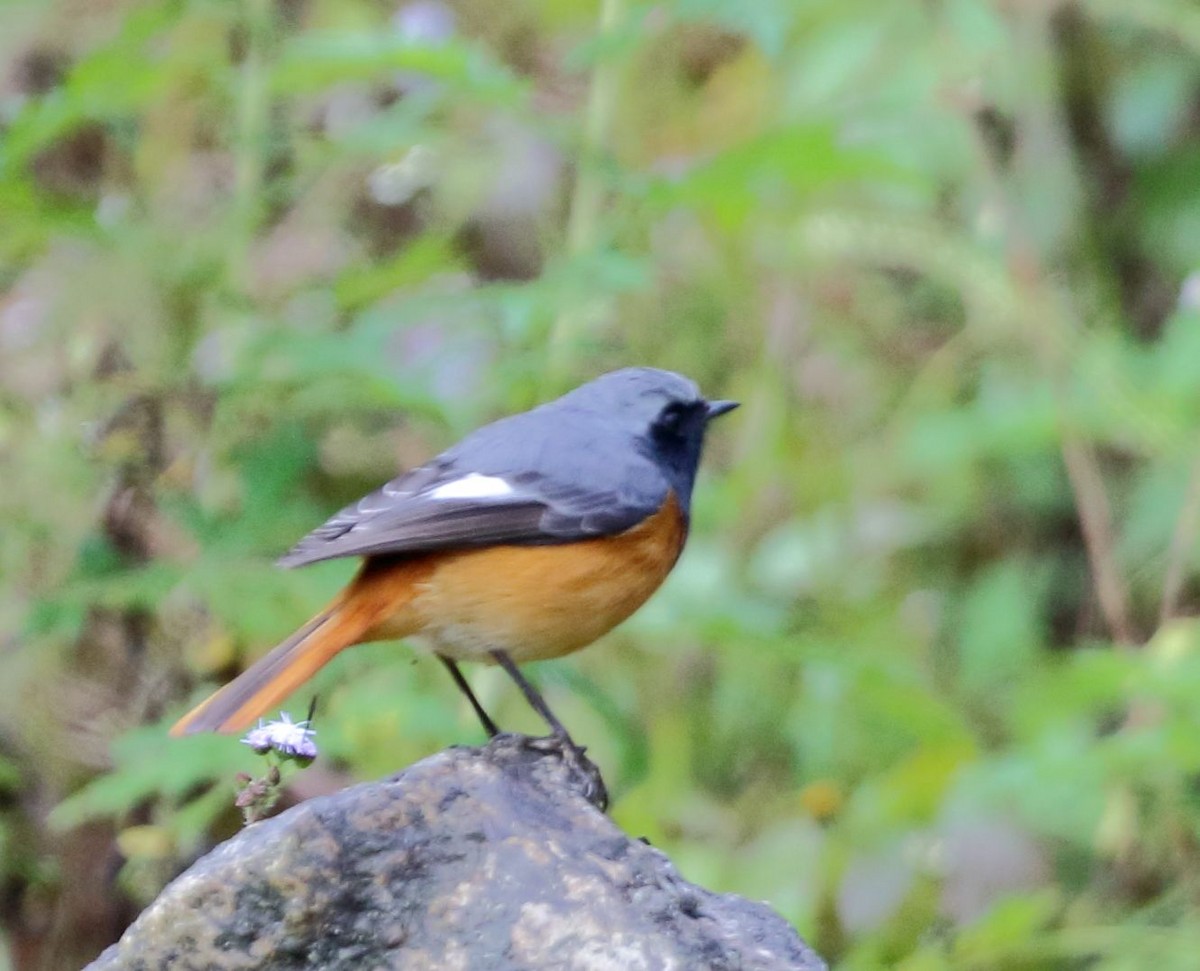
column 530, row 539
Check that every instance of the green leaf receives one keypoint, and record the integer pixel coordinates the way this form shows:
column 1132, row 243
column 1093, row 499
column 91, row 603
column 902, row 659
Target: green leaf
column 1000, row 627
column 316, row 60
column 772, row 170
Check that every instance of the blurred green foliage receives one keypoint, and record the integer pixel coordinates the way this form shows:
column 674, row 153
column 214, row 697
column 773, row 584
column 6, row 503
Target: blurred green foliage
column 927, row 677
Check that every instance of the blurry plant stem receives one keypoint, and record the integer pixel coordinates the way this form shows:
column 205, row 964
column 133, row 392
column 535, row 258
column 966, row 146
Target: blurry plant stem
column 587, row 195
column 1079, row 457
column 1051, row 348
column 1095, row 520
column 1183, row 538
column 251, row 125
column 1052, row 331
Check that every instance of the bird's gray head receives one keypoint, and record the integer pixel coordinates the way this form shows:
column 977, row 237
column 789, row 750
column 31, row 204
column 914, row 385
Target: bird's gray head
column 662, row 409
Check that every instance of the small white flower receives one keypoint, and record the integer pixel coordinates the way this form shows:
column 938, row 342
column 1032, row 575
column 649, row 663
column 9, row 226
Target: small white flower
column 1189, row 293
column 293, row 740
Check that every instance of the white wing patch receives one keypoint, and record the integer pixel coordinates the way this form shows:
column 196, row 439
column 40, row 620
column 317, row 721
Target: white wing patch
column 472, row 486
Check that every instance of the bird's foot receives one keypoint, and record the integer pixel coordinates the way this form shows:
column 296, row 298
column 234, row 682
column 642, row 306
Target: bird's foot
column 584, row 771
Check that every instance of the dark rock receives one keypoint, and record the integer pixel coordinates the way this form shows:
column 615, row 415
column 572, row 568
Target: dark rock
column 471, row 860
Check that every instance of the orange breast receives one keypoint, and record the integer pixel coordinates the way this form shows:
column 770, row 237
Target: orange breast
column 537, row 601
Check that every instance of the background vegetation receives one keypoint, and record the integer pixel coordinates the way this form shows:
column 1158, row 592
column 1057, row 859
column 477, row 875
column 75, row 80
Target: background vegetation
column 927, row 678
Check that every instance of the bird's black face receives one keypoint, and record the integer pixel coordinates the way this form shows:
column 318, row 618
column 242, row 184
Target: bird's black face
column 677, row 434
column 680, row 422
column 687, row 418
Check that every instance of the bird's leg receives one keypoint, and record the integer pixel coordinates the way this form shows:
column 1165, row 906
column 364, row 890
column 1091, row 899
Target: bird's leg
column 485, row 719
column 594, row 789
column 534, row 697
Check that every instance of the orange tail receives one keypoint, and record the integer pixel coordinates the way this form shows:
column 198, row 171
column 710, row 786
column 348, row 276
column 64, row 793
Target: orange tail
column 374, row 595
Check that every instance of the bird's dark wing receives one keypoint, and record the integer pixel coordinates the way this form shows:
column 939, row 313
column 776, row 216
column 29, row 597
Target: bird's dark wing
column 532, row 479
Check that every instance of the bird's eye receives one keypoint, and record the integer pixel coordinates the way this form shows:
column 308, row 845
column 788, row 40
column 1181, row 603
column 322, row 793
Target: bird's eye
column 670, row 419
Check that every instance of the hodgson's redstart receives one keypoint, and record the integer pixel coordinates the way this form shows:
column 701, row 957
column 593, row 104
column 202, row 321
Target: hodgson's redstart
column 529, row 539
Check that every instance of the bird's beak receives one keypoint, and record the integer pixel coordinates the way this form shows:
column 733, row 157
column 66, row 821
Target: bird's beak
column 718, row 408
